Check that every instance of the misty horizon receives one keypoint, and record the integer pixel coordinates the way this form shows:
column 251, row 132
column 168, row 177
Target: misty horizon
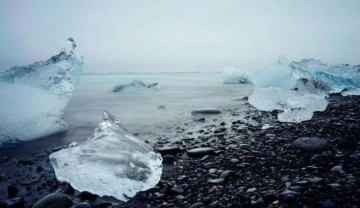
column 161, row 36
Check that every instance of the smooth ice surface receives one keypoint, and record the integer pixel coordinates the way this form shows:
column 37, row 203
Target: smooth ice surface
column 33, row 97
column 338, row 77
column 296, row 106
column 111, row 162
column 278, row 75
column 233, row 75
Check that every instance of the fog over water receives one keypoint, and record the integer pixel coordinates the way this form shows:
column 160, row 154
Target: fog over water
column 149, row 36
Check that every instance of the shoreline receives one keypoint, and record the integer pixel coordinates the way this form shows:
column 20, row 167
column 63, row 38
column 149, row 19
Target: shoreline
column 248, row 166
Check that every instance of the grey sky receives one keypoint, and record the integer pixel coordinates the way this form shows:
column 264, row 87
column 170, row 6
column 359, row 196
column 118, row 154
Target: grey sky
column 179, row 35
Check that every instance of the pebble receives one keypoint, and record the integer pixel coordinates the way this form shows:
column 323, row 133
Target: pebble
column 226, row 174
column 197, row 205
column 177, row 189
column 206, row 111
column 17, row 202
column 326, row 204
column 54, row 200
column 337, row 169
column 251, row 190
column 83, row 205
column 12, row 191
column 311, row 144
column 209, row 165
column 199, row 152
column 168, row 149
column 334, row 185
column 216, row 180
column 234, row 160
column 87, row 196
column 270, row 136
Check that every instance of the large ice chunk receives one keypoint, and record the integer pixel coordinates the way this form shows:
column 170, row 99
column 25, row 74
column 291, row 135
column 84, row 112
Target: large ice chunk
column 33, row 97
column 278, row 75
column 111, row 162
column 232, row 75
column 338, row 77
column 295, row 106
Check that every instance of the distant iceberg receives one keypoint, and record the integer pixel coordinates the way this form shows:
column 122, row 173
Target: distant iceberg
column 298, row 89
column 111, row 162
column 33, row 97
column 135, row 83
column 232, row 75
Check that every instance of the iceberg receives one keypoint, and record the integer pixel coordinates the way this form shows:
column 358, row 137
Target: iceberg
column 338, row 77
column 111, row 162
column 294, row 106
column 278, row 75
column 33, row 97
column 298, row 89
column 233, row 75
column 135, row 83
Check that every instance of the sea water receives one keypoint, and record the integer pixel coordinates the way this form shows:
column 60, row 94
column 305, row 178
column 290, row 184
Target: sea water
column 138, row 108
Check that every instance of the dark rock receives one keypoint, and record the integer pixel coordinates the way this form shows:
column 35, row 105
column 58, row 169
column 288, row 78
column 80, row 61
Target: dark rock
column 177, row 189
column 270, row 197
column 69, row 190
column 258, row 204
column 83, row 205
column 216, row 180
column 39, row 169
column 54, row 200
column 200, row 119
column 4, row 159
column 326, row 204
column 197, row 205
column 226, row 174
column 290, row 201
column 209, row 165
column 17, row 202
column 199, row 152
column 12, row 191
column 206, row 111
column 25, row 162
column 102, row 205
column 87, row 196
column 311, row 144
column 168, row 159
column 168, row 150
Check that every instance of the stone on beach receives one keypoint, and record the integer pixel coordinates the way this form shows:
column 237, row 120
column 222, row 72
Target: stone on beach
column 311, row 144
column 202, row 151
column 54, row 200
column 206, row 111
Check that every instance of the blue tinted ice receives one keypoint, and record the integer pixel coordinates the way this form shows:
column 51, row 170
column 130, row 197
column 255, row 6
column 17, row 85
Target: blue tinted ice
column 33, row 97
column 338, row 77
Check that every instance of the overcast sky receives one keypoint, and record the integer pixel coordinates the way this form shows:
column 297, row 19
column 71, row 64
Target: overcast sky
column 147, row 35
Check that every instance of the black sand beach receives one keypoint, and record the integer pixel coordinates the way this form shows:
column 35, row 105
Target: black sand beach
column 238, row 165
